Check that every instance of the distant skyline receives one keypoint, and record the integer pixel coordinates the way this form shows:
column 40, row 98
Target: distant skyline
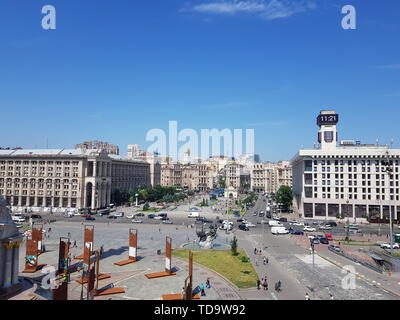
column 112, row 71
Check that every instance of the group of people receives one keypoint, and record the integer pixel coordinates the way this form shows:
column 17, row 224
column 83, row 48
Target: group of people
column 207, row 286
column 264, row 283
column 257, row 251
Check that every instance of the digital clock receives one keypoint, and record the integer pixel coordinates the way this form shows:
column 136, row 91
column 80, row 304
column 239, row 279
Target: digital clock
column 327, row 119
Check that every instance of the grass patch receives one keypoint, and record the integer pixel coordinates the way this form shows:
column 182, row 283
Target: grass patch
column 240, row 273
column 150, row 210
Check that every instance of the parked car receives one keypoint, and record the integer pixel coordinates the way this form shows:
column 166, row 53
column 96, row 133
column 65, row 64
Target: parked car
column 167, row 222
column 315, row 241
column 332, row 224
column 151, row 216
column 18, row 218
column 86, row 215
column 323, row 240
column 140, row 214
column 309, row 229
column 157, row 218
column 130, row 216
column 298, row 223
column 334, row 248
column 283, row 219
column 297, row 232
column 243, row 227
column 279, row 230
column 36, row 216
column 220, row 221
column 112, row 217
column 329, row 236
column 137, row 221
column 90, row 218
column 240, row 220
column 325, row 227
column 387, row 246
column 255, row 214
column 261, row 214
column 119, row 214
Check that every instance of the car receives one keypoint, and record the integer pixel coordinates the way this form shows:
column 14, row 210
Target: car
column 140, row 214
column 261, row 214
column 36, row 216
column 90, row 218
column 220, row 221
column 387, row 246
column 130, row 216
column 86, row 215
column 112, row 217
column 298, row 223
column 119, row 214
column 151, row 216
column 315, row 241
column 250, row 225
column 255, row 214
column 323, row 240
column 297, row 232
column 243, row 227
column 167, row 222
column 326, row 227
column 18, row 218
column 240, row 220
column 207, row 221
column 279, row 230
column 283, row 219
column 319, row 236
column 334, row 248
column 136, row 221
column 332, row 224
column 329, row 236
column 158, row 218
column 309, row 229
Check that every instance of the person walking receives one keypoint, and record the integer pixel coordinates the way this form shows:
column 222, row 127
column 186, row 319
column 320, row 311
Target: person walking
column 307, row 297
column 203, row 292
column 208, row 283
column 258, row 284
column 74, row 243
column 278, row 286
column 331, row 296
column 265, row 284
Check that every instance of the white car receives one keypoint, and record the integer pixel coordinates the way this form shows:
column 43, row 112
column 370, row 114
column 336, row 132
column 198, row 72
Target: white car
column 387, row 246
column 167, row 222
column 327, row 227
column 130, row 216
column 298, row 224
column 157, row 218
column 137, row 221
column 250, row 225
column 18, row 219
column 309, row 229
column 119, row 214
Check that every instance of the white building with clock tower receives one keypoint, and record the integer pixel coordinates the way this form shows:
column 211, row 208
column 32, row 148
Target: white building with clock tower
column 346, row 179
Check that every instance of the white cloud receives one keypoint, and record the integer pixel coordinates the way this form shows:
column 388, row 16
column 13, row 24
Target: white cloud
column 390, row 66
column 267, row 9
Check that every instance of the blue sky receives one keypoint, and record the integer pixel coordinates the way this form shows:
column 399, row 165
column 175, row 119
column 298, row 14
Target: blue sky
column 112, row 70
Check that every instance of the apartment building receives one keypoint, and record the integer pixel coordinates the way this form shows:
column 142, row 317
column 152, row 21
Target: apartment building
column 269, row 177
column 91, row 145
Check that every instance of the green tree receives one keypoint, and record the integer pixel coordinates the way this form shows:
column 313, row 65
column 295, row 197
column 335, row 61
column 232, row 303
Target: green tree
column 284, row 196
column 146, row 206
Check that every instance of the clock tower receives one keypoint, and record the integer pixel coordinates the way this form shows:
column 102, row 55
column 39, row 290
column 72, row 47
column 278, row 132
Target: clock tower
column 327, row 135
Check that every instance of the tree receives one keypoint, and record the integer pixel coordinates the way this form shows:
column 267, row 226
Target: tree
column 284, row 196
column 234, row 246
column 146, row 206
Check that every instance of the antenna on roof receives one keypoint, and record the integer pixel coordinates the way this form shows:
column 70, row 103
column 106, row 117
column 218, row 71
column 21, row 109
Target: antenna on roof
column 377, row 142
column 47, row 143
column 391, row 143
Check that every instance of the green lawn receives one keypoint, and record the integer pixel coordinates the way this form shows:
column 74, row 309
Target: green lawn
column 242, row 274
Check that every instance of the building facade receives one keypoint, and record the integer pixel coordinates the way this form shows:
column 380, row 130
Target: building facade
column 269, row 177
column 346, row 180
column 66, row 178
column 91, row 145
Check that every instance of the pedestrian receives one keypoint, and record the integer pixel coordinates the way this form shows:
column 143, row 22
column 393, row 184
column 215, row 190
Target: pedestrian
column 331, row 296
column 203, row 292
column 266, row 260
column 74, row 243
column 307, row 297
column 69, row 234
column 208, row 283
column 183, row 293
column 255, row 250
column 265, row 284
column 258, row 284
column 278, row 286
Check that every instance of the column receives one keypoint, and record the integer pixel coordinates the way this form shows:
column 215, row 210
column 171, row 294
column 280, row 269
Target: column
column 93, row 196
column 7, row 276
column 2, row 253
column 15, row 266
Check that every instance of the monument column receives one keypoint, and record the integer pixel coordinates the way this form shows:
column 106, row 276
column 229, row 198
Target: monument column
column 15, row 271
column 8, row 264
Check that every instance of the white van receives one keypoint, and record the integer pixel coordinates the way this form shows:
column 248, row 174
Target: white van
column 194, row 215
column 274, row 223
column 279, row 230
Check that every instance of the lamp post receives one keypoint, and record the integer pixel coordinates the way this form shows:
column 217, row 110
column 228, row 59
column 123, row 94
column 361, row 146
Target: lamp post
column 313, row 264
column 348, row 225
column 136, row 195
column 389, row 170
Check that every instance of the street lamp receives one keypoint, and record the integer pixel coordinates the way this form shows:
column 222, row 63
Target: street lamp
column 136, row 195
column 348, row 226
column 313, row 263
column 389, row 170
